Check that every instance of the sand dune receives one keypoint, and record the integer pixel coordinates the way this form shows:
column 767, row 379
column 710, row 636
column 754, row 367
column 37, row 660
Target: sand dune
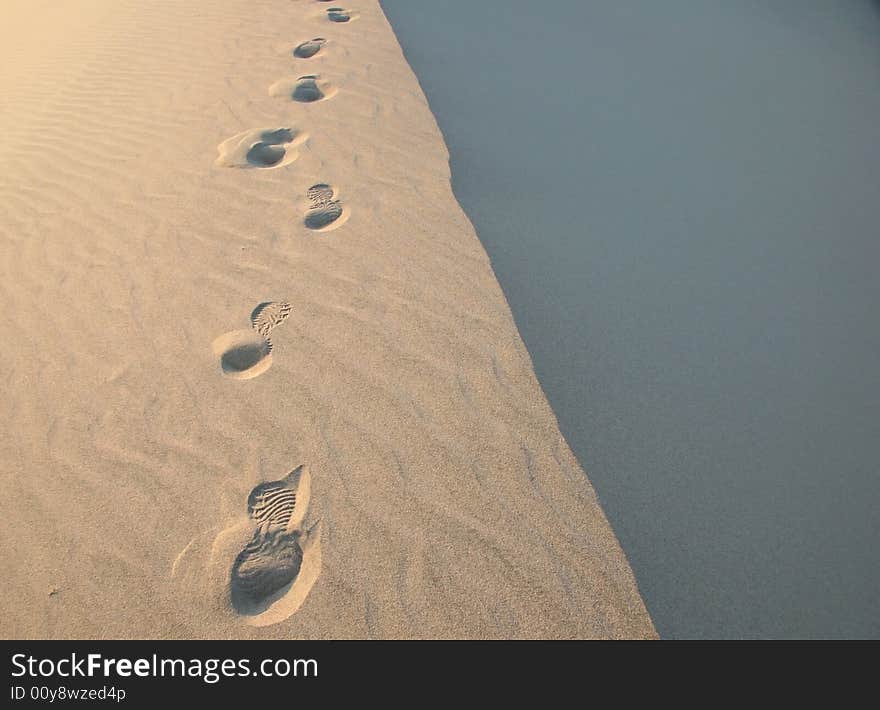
column 385, row 465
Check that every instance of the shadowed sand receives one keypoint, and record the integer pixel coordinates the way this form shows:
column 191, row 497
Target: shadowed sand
column 309, row 48
column 684, row 221
column 261, row 148
column 304, row 89
column 141, row 412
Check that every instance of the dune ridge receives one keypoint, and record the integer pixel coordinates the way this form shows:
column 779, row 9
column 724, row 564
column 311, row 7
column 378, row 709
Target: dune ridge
column 154, row 193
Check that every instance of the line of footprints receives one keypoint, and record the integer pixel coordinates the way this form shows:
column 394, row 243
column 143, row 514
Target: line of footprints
column 275, row 571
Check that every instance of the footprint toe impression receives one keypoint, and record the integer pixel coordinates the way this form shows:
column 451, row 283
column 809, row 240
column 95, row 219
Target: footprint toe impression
column 260, row 148
column 247, row 353
column 309, row 48
column 268, row 315
column 320, row 194
column 275, row 571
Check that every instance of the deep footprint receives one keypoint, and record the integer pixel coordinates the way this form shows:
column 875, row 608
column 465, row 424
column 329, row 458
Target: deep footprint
column 247, row 353
column 309, row 48
column 338, row 14
column 244, row 357
column 270, row 150
column 260, row 148
column 271, row 562
column 244, row 354
column 307, row 90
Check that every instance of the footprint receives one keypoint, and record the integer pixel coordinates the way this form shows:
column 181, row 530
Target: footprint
column 244, row 354
column 326, row 212
column 269, row 315
column 338, row 14
column 309, row 48
column 322, row 218
column 275, row 571
column 306, row 89
column 261, row 148
column 282, row 504
column 247, row 353
column 320, row 194
column 270, row 562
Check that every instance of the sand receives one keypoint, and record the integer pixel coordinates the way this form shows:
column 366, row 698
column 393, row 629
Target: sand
column 259, row 378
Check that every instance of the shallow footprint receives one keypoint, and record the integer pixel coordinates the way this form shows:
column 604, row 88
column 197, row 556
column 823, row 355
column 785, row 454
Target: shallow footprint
column 260, row 148
column 323, row 217
column 320, row 194
column 305, row 89
column 327, row 212
column 247, row 353
column 269, row 315
column 309, row 48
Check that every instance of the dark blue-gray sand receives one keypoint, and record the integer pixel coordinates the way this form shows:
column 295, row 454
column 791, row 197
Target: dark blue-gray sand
column 681, row 200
